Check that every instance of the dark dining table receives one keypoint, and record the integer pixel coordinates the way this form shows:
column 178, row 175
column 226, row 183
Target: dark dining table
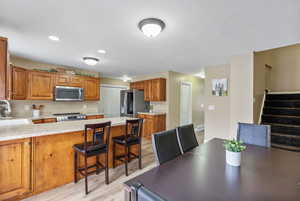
column 265, row 174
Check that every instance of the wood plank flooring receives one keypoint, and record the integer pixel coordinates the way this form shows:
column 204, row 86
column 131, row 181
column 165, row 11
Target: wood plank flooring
column 98, row 189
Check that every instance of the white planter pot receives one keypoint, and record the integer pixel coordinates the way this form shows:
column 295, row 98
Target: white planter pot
column 35, row 113
column 233, row 158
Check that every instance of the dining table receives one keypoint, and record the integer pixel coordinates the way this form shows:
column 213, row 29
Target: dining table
column 202, row 174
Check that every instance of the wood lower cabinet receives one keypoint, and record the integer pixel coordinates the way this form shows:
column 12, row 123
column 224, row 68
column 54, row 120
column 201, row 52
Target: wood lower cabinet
column 42, row 121
column 91, row 88
column 15, row 168
column 40, row 85
column 95, row 116
column 19, row 83
column 153, row 124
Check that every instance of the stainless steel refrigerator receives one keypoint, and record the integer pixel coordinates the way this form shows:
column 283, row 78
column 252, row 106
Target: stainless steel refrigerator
column 132, row 102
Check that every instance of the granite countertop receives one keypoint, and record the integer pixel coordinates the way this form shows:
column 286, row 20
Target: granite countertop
column 152, row 113
column 34, row 130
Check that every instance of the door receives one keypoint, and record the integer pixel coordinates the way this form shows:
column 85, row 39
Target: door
column 110, row 100
column 91, row 88
column 15, row 168
column 19, row 85
column 40, row 85
column 185, row 103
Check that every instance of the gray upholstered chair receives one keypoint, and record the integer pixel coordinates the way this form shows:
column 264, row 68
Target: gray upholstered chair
column 254, row 134
column 187, row 138
column 143, row 194
column 165, row 146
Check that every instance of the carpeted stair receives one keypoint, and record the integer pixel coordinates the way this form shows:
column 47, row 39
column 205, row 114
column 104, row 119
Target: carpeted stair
column 282, row 112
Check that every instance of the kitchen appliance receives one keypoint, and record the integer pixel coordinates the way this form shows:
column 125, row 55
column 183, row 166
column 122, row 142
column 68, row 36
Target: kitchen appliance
column 132, row 102
column 63, row 93
column 69, row 116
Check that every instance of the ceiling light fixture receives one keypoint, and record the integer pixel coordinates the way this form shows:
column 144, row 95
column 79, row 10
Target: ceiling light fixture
column 151, row 27
column 125, row 78
column 101, row 51
column 53, row 38
column 91, row 61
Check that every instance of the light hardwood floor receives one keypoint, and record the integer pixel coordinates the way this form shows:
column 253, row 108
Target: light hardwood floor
column 98, row 189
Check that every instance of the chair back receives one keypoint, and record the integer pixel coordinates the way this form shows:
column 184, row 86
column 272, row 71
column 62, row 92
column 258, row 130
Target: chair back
column 100, row 132
column 254, row 134
column 187, row 138
column 141, row 193
column 133, row 128
column 165, row 146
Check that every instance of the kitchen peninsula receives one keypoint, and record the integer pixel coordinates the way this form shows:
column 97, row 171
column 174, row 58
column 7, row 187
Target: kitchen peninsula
column 38, row 157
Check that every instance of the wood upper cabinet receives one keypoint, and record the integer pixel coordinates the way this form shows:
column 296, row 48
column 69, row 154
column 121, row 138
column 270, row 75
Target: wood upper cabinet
column 5, row 70
column 40, row 85
column 158, row 89
column 137, row 85
column 19, row 83
column 68, row 80
column 15, row 168
column 147, row 90
column 91, row 88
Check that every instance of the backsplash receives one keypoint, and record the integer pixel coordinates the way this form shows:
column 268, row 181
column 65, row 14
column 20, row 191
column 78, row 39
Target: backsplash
column 21, row 108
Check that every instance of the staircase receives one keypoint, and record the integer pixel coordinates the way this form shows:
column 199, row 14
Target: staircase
column 282, row 112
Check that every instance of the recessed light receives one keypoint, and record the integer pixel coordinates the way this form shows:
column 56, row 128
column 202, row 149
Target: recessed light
column 151, row 27
column 125, row 78
column 101, row 51
column 91, row 61
column 54, row 38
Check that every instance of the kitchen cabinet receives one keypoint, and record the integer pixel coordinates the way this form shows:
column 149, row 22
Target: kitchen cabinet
column 19, row 83
column 40, row 85
column 91, row 88
column 43, row 121
column 95, row 116
column 15, row 168
column 5, row 71
column 153, row 123
column 68, row 80
column 154, row 89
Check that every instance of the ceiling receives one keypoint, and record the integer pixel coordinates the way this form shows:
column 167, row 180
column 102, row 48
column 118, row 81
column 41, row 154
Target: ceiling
column 198, row 33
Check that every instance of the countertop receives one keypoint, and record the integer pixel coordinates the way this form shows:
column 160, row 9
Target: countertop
column 34, row 130
column 152, row 113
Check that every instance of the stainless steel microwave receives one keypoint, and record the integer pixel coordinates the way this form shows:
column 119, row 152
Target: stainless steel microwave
column 63, row 93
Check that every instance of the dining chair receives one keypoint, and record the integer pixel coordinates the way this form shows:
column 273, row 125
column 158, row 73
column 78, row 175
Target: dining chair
column 132, row 136
column 98, row 145
column 186, row 137
column 254, row 134
column 165, row 146
column 140, row 193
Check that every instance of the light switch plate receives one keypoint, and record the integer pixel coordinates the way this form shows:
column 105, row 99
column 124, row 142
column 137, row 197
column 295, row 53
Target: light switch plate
column 211, row 107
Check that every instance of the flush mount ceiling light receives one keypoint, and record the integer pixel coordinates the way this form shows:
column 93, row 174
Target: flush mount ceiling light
column 151, row 27
column 101, row 51
column 53, row 38
column 125, row 78
column 91, row 61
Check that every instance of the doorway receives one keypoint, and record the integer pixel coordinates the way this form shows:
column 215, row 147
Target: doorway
column 185, row 103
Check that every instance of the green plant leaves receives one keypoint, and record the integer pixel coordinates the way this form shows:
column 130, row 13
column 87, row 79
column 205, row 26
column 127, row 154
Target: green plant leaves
column 234, row 145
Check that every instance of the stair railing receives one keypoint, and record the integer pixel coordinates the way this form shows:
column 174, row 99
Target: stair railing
column 262, row 106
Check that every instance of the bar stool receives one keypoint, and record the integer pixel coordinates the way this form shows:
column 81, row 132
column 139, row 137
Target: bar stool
column 99, row 145
column 132, row 137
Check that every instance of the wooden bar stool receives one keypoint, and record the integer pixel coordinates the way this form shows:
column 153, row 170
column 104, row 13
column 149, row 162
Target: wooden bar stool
column 99, row 145
column 131, row 137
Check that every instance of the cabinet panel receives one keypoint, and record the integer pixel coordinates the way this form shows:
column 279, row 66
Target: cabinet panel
column 19, row 83
column 158, row 89
column 147, row 90
column 91, row 88
column 76, row 81
column 5, row 71
column 40, row 85
column 94, row 116
column 15, row 168
column 62, row 80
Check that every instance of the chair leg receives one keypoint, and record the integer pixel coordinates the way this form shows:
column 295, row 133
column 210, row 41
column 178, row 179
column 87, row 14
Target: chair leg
column 126, row 160
column 140, row 156
column 129, row 154
column 75, row 166
column 114, row 154
column 97, row 163
column 106, row 169
column 86, row 175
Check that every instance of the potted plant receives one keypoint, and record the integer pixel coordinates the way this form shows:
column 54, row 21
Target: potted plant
column 233, row 152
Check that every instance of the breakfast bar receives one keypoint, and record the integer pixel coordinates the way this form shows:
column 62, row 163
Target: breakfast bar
column 38, row 157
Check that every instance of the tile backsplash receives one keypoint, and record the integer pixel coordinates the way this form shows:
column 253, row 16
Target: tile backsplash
column 24, row 108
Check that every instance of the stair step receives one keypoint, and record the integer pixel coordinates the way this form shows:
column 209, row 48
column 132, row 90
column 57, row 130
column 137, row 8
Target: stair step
column 285, row 129
column 283, row 104
column 285, row 147
column 286, row 135
column 291, row 120
column 295, row 96
column 281, row 111
column 285, row 140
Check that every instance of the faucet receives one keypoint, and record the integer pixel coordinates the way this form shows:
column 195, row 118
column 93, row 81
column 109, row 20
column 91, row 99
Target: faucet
column 5, row 111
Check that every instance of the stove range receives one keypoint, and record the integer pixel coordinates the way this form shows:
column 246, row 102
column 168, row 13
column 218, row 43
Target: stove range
column 69, row 116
